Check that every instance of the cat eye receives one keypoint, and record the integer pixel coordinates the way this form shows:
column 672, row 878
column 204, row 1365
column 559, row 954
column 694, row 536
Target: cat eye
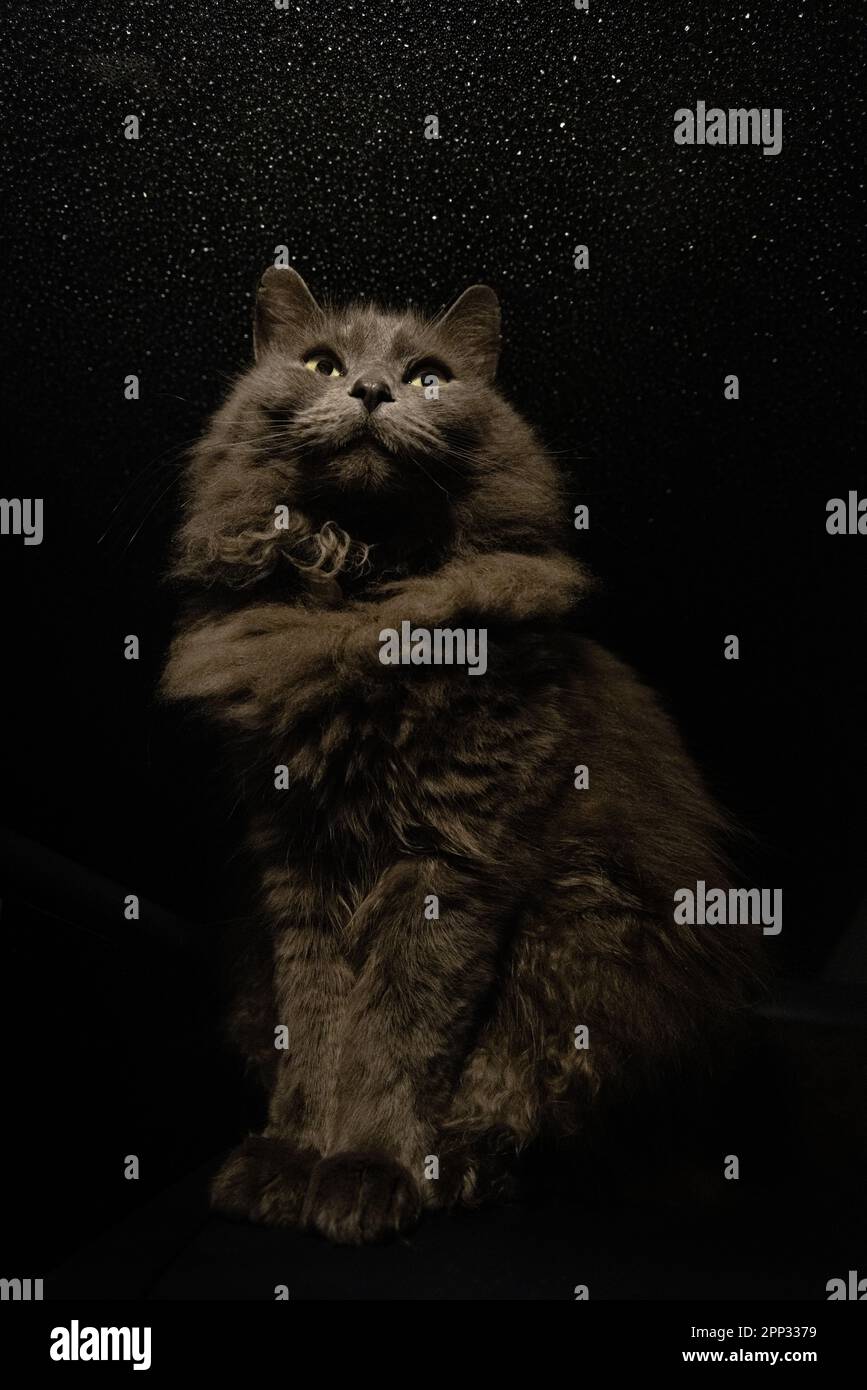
column 419, row 375
column 323, row 363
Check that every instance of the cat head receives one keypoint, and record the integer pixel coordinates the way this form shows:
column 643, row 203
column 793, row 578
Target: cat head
column 382, row 429
column 364, row 396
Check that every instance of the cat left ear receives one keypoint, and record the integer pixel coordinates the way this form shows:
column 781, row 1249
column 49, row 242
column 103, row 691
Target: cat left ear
column 284, row 307
column 474, row 322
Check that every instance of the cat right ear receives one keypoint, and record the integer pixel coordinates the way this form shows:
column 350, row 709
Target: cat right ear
column 474, row 321
column 284, row 308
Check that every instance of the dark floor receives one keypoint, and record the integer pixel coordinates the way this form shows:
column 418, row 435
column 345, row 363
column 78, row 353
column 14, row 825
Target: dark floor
column 173, row 1249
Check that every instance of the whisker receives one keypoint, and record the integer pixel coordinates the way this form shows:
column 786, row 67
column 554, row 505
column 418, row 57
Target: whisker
column 420, row 465
column 171, row 458
column 149, row 511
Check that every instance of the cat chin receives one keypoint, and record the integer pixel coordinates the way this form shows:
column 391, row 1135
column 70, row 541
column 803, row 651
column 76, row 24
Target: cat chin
column 363, row 466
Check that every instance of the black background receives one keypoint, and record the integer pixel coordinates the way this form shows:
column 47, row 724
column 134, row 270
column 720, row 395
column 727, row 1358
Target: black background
column 306, row 128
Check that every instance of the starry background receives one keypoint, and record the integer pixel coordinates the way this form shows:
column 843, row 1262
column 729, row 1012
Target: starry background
column 305, row 127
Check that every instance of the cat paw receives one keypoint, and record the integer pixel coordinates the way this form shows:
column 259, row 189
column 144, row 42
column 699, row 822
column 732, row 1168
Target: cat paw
column 477, row 1171
column 361, row 1198
column 263, row 1181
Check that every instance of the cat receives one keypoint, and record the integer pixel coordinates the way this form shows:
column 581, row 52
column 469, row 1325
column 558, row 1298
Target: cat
column 460, row 948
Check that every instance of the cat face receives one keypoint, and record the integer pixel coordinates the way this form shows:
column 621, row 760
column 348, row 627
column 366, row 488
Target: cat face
column 365, row 401
column 377, row 433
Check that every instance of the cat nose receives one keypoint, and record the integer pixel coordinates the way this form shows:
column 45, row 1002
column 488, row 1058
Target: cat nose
column 373, row 393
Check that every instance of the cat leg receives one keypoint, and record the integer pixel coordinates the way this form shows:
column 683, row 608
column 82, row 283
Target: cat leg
column 566, row 1030
column 265, row 1179
column 494, row 1112
column 597, row 1008
column 404, row 1036
column 473, row 1168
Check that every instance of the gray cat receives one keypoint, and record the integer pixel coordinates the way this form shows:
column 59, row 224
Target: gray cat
column 461, row 947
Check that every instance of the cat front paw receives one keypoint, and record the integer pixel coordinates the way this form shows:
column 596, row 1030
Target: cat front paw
column 361, row 1198
column 264, row 1181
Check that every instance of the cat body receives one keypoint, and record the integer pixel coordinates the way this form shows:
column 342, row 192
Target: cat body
column 464, row 941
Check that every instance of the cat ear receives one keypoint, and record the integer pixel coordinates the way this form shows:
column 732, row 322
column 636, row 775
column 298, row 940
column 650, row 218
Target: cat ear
column 284, row 307
column 474, row 322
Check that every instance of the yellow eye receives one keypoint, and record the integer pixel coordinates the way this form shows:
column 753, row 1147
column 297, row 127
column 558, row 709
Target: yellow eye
column 323, row 364
column 428, row 374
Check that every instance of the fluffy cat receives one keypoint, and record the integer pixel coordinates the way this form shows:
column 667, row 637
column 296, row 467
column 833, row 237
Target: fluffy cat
column 441, row 908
